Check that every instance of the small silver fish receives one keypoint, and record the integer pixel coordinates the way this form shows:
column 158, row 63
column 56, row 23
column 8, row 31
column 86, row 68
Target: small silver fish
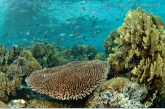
column 62, row 34
column 70, row 35
column 45, row 32
column 28, row 33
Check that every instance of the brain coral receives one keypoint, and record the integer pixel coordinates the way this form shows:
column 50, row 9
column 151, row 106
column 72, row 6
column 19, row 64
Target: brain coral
column 71, row 81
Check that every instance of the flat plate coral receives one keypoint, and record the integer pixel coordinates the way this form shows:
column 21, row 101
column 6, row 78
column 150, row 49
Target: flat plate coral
column 72, row 81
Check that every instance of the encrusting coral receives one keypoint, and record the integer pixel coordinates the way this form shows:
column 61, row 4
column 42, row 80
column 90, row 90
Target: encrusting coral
column 140, row 51
column 72, row 81
column 117, row 93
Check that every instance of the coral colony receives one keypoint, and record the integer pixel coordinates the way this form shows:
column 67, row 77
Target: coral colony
column 132, row 76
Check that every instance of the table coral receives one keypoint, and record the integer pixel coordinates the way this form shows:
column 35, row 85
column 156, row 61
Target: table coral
column 117, row 93
column 141, row 50
column 72, row 81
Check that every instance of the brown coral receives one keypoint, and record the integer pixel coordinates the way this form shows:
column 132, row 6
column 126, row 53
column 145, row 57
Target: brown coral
column 71, row 81
column 3, row 105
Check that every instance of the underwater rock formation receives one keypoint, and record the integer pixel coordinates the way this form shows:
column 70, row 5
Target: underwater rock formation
column 72, row 81
column 141, row 52
column 117, row 93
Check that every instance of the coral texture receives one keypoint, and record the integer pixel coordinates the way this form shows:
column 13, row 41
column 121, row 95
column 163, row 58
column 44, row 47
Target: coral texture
column 71, row 81
column 141, row 50
column 117, row 93
column 109, row 41
column 3, row 105
column 55, row 104
column 17, row 103
column 80, row 53
column 15, row 71
column 48, row 54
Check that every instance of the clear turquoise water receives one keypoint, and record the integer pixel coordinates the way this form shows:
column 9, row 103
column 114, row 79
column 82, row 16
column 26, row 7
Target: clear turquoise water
column 66, row 23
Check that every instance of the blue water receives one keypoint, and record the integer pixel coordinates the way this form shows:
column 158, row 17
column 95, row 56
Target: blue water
column 66, row 23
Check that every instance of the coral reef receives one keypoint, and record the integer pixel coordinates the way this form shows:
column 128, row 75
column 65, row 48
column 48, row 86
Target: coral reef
column 72, row 81
column 140, row 52
column 55, row 104
column 13, row 75
column 109, row 41
column 117, row 93
column 48, row 55
column 4, row 86
column 44, row 104
column 100, row 56
column 80, row 53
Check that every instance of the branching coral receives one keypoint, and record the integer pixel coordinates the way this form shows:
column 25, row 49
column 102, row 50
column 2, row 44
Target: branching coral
column 11, row 79
column 72, row 81
column 141, row 50
column 117, row 92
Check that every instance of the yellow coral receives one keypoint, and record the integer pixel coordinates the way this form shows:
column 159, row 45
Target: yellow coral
column 141, row 54
column 3, row 105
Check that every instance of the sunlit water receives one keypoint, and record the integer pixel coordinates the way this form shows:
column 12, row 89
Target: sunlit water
column 66, row 23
